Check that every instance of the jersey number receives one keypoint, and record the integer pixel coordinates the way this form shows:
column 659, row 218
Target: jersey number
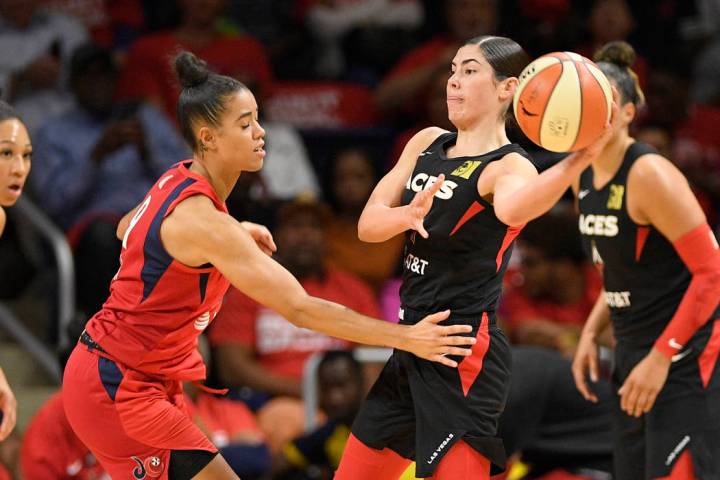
column 135, row 219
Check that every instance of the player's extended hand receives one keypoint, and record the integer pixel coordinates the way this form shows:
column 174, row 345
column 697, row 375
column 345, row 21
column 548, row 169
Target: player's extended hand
column 8, row 407
column 262, row 237
column 586, row 359
column 642, row 386
column 433, row 342
column 420, row 206
column 594, row 149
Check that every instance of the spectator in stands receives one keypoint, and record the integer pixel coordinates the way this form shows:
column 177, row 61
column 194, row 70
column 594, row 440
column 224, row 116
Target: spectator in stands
column 35, row 48
column 402, row 90
column 371, row 32
column 353, row 179
column 114, row 24
column 434, row 113
column 148, row 75
column 287, row 170
column 547, row 301
column 232, row 427
column 612, row 20
column 51, row 450
column 255, row 348
column 95, row 164
column 340, row 393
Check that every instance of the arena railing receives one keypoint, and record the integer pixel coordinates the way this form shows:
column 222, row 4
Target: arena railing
column 62, row 254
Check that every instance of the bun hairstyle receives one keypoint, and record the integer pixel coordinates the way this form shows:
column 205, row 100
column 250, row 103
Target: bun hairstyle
column 204, row 95
column 615, row 60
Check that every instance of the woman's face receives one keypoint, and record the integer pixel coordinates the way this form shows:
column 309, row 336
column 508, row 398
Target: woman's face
column 354, row 180
column 472, row 90
column 15, row 159
column 240, row 138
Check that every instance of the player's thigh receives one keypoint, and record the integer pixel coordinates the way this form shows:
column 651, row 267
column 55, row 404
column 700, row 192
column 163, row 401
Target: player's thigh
column 217, row 469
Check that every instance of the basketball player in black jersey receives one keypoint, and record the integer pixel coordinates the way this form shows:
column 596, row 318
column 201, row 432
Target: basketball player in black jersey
column 644, row 228
column 463, row 198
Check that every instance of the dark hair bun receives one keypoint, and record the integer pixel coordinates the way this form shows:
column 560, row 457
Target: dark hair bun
column 620, row 53
column 190, row 70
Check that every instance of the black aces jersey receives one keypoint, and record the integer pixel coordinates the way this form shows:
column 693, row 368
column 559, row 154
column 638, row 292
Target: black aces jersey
column 644, row 278
column 462, row 263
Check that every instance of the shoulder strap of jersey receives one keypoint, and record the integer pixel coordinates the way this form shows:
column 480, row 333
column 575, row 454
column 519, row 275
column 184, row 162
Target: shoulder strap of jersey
column 633, row 152
column 196, row 185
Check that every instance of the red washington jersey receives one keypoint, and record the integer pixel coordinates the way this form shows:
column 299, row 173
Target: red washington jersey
column 158, row 307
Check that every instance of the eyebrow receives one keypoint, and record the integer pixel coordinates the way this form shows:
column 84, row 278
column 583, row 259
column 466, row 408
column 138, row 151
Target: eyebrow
column 14, row 143
column 467, row 61
column 246, row 114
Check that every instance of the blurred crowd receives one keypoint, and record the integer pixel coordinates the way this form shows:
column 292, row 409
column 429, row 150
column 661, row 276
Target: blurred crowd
column 342, row 85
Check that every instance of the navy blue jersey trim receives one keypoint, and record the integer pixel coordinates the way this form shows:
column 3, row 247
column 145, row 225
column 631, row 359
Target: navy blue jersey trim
column 204, row 277
column 156, row 258
column 110, row 376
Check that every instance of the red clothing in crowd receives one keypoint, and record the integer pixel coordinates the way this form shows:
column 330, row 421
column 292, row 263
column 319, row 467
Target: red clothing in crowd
column 223, row 420
column 517, row 307
column 148, row 71
column 51, row 450
column 280, row 346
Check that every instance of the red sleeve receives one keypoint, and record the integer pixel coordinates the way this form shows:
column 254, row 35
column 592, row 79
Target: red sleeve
column 699, row 251
column 235, row 323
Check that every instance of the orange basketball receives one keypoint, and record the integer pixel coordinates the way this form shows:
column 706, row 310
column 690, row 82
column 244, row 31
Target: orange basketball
column 563, row 101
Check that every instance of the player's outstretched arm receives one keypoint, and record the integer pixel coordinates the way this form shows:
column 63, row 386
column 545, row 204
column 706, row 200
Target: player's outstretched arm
column 196, row 233
column 383, row 218
column 521, row 195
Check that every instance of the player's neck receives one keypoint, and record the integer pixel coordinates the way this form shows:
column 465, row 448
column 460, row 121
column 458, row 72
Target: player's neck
column 608, row 162
column 482, row 138
column 222, row 182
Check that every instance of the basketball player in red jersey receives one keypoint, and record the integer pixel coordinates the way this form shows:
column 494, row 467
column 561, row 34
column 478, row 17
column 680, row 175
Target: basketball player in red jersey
column 459, row 241
column 15, row 160
column 180, row 250
column 641, row 224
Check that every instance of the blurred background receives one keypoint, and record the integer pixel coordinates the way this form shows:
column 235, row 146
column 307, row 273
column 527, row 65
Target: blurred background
column 342, row 85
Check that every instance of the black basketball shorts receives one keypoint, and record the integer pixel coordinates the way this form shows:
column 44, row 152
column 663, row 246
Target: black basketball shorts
column 419, row 408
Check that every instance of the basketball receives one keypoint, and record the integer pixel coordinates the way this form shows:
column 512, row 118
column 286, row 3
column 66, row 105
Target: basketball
column 562, row 102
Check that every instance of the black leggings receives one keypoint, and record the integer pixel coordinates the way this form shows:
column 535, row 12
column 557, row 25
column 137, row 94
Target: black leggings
column 185, row 464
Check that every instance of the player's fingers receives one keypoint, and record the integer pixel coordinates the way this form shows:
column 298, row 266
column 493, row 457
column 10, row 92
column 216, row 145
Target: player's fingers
column 436, row 186
column 629, row 399
column 639, row 407
column 269, row 241
column 462, row 352
column 579, row 376
column 438, row 317
column 593, row 364
column 649, row 402
column 444, row 360
column 454, row 339
column 420, row 228
column 7, row 424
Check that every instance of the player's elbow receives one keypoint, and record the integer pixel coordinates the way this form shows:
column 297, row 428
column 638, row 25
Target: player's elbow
column 366, row 232
column 512, row 217
column 299, row 309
